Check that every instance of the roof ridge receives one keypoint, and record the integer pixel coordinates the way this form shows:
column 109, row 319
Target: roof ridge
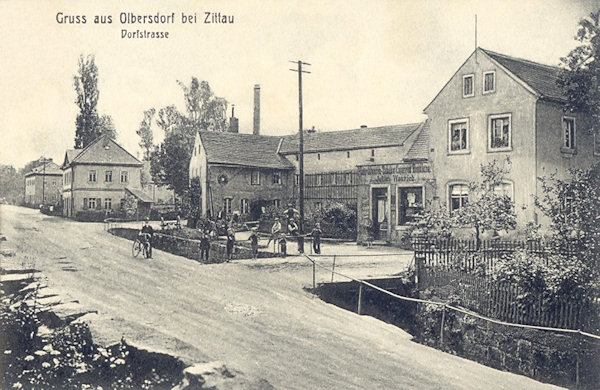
column 358, row 128
column 553, row 67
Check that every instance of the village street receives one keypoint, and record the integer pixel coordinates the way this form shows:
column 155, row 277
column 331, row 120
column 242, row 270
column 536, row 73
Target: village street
column 253, row 316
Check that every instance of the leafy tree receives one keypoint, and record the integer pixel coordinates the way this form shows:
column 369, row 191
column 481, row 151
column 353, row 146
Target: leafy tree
column 204, row 111
column 486, row 208
column 573, row 207
column 88, row 124
column 145, row 133
column 11, row 184
column 580, row 77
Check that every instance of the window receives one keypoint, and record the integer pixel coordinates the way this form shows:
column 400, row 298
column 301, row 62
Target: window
column 297, row 157
column 318, row 156
column 372, row 152
column 124, row 177
column 489, row 82
column 108, row 176
column 91, row 203
column 319, row 178
column 347, row 154
column 596, row 145
column 92, row 176
column 504, row 188
column 318, row 206
column 53, row 182
column 468, row 90
column 499, row 132
column 255, row 178
column 410, row 204
column 277, row 203
column 108, row 203
column 568, row 133
column 458, row 135
column 276, row 178
column 227, row 205
column 459, row 196
column 244, row 206
column 297, row 180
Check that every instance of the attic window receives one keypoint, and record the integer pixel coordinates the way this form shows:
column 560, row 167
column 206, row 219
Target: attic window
column 468, row 89
column 489, row 82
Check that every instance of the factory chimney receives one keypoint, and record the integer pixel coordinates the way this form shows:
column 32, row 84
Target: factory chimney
column 256, row 109
column 234, row 126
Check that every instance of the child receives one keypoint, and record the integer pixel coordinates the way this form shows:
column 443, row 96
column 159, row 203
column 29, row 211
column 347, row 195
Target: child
column 254, row 242
column 282, row 246
column 316, row 236
column 204, row 245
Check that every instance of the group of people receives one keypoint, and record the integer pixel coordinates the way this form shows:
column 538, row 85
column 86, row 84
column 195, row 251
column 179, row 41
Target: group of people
column 212, row 229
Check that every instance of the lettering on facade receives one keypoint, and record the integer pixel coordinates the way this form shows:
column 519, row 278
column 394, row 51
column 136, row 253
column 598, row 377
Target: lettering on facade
column 394, row 173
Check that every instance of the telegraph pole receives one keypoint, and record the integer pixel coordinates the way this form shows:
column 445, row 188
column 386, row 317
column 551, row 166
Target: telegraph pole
column 44, row 182
column 300, row 154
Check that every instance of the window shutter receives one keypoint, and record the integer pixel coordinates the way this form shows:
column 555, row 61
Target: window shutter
column 85, row 203
column 99, row 204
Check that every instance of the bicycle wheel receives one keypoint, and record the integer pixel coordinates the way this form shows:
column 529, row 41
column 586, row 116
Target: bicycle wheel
column 137, row 248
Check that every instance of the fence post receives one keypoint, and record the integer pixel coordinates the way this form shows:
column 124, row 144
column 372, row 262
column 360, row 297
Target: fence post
column 333, row 268
column 360, row 291
column 314, row 271
column 442, row 325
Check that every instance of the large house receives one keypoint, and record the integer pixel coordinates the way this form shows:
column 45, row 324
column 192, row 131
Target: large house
column 99, row 177
column 43, row 184
column 496, row 107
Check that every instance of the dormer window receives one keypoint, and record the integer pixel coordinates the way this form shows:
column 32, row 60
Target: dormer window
column 468, row 89
column 489, row 82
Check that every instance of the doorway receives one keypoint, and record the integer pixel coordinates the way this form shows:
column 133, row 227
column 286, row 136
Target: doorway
column 380, row 213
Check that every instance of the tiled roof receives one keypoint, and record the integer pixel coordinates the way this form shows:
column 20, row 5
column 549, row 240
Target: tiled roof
column 51, row 169
column 139, row 194
column 541, row 78
column 104, row 150
column 362, row 138
column 419, row 150
column 70, row 154
column 243, row 149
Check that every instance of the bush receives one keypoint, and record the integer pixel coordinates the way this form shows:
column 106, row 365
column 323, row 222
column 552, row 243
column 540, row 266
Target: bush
column 338, row 220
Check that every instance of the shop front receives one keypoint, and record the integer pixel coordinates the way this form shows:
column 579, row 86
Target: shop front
column 390, row 197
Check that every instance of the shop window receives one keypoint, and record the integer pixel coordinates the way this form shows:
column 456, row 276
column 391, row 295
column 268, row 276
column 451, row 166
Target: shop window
column 410, row 204
column 458, row 135
column 499, row 131
column 459, row 196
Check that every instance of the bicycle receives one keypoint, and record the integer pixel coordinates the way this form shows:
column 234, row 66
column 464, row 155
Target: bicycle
column 141, row 244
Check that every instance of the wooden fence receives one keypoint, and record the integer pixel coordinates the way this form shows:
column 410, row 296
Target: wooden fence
column 330, row 186
column 461, row 269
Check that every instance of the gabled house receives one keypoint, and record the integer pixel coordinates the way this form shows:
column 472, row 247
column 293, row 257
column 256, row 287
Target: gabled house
column 43, row 184
column 98, row 177
column 240, row 173
column 496, row 107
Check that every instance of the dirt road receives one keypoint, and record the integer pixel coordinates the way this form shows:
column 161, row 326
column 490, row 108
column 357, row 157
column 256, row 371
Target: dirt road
column 254, row 317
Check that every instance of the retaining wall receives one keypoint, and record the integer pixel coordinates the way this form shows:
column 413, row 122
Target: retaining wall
column 190, row 248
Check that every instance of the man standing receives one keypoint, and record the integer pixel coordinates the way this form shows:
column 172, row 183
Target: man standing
column 230, row 242
column 254, row 242
column 149, row 233
column 275, row 232
column 204, row 245
column 316, row 236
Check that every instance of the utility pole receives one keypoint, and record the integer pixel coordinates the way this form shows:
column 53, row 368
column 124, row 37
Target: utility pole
column 300, row 154
column 44, row 182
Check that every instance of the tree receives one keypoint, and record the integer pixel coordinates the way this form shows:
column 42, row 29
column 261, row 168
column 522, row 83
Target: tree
column 11, row 184
column 573, row 207
column 486, row 208
column 204, row 111
column 88, row 124
column 145, row 133
column 579, row 79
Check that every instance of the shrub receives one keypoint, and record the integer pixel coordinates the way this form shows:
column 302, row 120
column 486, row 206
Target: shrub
column 338, row 220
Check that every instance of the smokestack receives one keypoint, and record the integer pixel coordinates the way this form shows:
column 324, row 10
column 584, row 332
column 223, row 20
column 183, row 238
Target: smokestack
column 234, row 126
column 256, row 109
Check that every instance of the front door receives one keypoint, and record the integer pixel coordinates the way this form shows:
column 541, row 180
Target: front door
column 380, row 213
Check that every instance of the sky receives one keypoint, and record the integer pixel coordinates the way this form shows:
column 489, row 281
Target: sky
column 372, row 63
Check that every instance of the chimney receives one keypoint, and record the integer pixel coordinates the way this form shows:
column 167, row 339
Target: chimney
column 256, row 109
column 234, row 126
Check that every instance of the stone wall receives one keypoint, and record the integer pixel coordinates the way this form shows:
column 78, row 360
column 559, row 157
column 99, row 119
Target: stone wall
column 190, row 248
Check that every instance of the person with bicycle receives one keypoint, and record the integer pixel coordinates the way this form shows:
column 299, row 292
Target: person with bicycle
column 146, row 235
